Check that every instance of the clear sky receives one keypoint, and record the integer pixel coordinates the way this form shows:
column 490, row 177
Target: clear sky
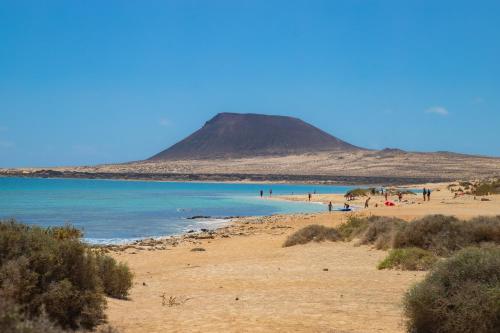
column 86, row 82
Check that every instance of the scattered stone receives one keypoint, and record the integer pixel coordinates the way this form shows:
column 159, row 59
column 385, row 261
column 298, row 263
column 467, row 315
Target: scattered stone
column 325, row 269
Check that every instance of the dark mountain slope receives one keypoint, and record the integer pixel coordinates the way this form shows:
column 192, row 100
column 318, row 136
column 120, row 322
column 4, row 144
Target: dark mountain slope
column 247, row 135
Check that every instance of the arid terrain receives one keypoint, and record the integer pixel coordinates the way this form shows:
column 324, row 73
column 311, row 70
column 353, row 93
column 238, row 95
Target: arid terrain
column 363, row 166
column 245, row 281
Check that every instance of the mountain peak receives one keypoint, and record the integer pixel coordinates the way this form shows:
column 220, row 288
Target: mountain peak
column 236, row 135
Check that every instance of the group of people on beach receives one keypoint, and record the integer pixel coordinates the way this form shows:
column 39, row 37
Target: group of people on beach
column 426, row 194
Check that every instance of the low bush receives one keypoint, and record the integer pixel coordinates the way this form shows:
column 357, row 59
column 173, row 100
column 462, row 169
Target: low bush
column 12, row 320
column 438, row 233
column 317, row 233
column 51, row 271
column 446, row 234
column 409, row 259
column 487, row 187
column 375, row 230
column 484, row 229
column 460, row 294
column 358, row 192
column 380, row 231
column 116, row 277
column 353, row 227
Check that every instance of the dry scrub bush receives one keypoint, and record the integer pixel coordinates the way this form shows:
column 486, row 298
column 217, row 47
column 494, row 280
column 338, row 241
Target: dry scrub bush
column 317, row 233
column 375, row 230
column 487, row 187
column 460, row 295
column 116, row 277
column 409, row 259
column 51, row 271
column 444, row 235
column 380, row 231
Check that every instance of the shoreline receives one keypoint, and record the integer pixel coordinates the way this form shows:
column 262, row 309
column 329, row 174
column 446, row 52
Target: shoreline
column 236, row 178
column 240, row 277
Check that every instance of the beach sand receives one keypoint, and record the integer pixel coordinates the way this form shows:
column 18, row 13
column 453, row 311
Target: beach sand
column 245, row 281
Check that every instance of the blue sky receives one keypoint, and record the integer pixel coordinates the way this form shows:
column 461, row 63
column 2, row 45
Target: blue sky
column 86, row 82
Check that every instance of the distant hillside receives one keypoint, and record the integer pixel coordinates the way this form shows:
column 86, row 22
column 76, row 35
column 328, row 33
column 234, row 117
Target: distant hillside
column 245, row 135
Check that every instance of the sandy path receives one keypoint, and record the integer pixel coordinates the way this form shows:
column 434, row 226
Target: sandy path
column 249, row 283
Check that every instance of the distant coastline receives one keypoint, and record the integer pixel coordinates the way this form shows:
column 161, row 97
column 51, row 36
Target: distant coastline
column 224, row 177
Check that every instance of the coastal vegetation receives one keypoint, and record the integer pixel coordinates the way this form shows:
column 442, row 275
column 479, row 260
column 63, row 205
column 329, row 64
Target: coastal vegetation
column 316, row 233
column 359, row 192
column 50, row 279
column 460, row 294
column 438, row 235
column 477, row 188
column 487, row 187
column 409, row 259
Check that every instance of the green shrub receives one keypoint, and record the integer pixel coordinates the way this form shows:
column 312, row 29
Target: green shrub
column 66, row 232
column 317, row 233
column 487, row 188
column 461, row 294
column 484, row 229
column 358, row 192
column 116, row 277
column 353, row 227
column 12, row 319
column 446, row 234
column 438, row 233
column 375, row 230
column 51, row 271
column 409, row 259
column 380, row 231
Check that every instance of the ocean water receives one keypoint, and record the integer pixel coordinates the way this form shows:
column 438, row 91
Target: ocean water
column 111, row 211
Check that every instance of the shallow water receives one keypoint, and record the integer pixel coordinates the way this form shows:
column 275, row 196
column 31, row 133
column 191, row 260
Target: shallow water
column 111, row 211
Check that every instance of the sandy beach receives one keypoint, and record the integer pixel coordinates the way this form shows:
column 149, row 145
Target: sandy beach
column 245, row 281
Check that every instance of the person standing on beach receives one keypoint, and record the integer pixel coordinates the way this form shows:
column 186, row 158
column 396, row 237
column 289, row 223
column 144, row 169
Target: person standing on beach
column 424, row 192
column 428, row 195
column 330, row 207
column 367, row 201
column 261, row 193
column 385, row 195
column 309, row 196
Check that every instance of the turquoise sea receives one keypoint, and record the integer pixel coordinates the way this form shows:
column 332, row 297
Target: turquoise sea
column 111, row 211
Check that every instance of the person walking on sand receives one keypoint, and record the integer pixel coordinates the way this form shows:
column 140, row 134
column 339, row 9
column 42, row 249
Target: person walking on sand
column 261, row 193
column 424, row 193
column 385, row 195
column 367, row 201
column 428, row 195
column 330, row 207
column 309, row 196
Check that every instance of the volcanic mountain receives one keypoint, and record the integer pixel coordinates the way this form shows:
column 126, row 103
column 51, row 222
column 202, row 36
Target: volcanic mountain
column 234, row 135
